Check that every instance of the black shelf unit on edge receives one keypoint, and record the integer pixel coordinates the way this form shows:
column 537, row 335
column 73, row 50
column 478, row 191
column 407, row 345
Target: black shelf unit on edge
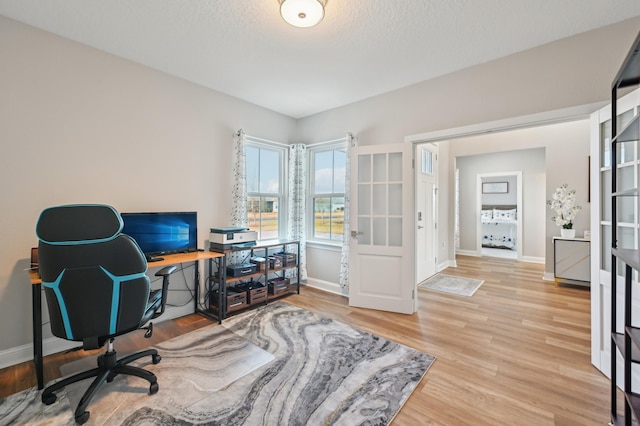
column 628, row 342
column 219, row 303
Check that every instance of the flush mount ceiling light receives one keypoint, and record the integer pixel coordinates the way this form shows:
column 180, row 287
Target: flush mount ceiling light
column 302, row 13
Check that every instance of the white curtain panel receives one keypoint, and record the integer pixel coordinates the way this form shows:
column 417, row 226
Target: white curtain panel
column 296, row 229
column 344, row 256
column 239, row 216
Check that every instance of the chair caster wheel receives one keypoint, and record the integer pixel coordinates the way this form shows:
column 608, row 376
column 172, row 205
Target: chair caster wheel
column 156, row 359
column 153, row 389
column 49, row 399
column 82, row 418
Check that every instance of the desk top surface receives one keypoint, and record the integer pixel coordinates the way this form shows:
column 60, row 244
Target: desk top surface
column 168, row 259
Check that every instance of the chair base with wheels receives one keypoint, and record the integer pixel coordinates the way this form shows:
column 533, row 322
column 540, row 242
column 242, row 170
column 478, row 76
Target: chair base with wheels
column 108, row 368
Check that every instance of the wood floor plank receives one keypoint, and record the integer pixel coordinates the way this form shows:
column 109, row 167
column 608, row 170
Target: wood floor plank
column 517, row 352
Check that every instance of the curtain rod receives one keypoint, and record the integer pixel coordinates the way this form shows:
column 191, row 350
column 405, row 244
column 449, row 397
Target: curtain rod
column 288, row 144
column 329, row 142
column 265, row 140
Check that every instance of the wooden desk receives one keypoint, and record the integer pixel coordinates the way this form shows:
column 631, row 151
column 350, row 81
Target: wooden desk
column 169, row 259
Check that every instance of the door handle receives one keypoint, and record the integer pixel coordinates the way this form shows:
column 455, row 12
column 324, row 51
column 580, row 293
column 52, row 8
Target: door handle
column 354, row 234
column 420, row 226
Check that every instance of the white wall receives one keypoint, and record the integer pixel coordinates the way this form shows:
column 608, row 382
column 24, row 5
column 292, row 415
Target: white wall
column 566, row 160
column 498, row 198
column 323, row 267
column 531, row 163
column 81, row 126
column 573, row 71
column 576, row 71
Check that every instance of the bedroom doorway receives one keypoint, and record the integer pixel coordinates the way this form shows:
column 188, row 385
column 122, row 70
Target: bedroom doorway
column 499, row 222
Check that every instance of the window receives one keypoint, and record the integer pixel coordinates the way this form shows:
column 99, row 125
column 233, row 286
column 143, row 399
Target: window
column 427, row 162
column 326, row 192
column 265, row 189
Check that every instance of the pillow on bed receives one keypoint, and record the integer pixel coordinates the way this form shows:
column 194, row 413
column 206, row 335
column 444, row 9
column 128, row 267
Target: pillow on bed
column 486, row 215
column 503, row 215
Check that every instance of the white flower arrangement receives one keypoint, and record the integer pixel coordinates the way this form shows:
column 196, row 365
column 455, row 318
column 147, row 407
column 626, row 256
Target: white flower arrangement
column 563, row 202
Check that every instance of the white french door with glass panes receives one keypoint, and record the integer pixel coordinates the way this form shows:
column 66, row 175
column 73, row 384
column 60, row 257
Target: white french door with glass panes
column 628, row 177
column 381, row 254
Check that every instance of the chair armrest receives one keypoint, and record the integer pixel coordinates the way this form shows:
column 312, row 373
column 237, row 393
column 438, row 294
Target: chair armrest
column 167, row 270
column 164, row 273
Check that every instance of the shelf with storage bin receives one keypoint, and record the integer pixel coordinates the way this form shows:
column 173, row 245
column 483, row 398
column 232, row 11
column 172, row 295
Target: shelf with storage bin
column 254, row 287
column 625, row 161
column 629, row 256
column 627, row 193
column 630, row 133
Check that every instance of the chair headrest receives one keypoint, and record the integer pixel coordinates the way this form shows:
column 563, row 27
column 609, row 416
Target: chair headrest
column 78, row 224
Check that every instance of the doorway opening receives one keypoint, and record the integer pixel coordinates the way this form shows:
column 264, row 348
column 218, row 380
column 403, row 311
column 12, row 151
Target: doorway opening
column 452, row 239
column 499, row 218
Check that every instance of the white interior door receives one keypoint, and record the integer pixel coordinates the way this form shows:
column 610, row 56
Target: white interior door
column 628, row 175
column 381, row 257
column 426, row 202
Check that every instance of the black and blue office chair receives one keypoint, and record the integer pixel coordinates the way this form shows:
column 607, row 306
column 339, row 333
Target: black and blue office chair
column 95, row 282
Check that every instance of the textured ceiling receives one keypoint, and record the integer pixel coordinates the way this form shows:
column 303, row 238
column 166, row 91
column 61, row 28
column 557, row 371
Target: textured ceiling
column 362, row 48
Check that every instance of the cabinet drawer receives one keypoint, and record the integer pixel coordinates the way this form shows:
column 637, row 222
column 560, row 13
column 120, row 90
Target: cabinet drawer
column 235, row 300
column 280, row 286
column 257, row 295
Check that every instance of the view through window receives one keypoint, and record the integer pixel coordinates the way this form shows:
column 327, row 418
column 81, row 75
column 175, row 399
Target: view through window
column 327, row 189
column 264, row 189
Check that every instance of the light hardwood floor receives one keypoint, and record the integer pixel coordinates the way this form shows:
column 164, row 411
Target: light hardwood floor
column 515, row 353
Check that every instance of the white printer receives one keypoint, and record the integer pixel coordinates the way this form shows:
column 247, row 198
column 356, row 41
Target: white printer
column 225, row 238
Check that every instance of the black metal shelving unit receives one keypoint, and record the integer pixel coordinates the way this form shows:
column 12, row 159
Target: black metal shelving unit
column 220, row 306
column 628, row 342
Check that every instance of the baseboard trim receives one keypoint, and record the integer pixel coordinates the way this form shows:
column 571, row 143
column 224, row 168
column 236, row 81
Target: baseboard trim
column 327, row 286
column 23, row 353
column 529, row 259
column 446, row 264
column 532, row 259
column 467, row 253
column 52, row 345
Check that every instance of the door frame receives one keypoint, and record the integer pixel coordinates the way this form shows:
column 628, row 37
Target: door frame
column 417, row 173
column 479, row 178
column 445, row 198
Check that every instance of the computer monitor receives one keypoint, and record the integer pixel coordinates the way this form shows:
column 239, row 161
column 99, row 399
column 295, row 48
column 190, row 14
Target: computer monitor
column 160, row 233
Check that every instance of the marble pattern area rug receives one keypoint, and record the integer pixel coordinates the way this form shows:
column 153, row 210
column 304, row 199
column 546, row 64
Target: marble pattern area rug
column 193, row 366
column 451, row 284
column 275, row 365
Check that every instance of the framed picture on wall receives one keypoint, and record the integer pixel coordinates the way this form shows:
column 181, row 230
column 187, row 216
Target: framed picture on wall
column 495, row 187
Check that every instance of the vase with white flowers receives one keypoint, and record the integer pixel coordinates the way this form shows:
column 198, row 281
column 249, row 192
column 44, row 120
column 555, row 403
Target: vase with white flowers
column 563, row 202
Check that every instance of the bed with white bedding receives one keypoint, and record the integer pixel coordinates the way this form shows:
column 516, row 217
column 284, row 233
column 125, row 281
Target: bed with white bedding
column 499, row 227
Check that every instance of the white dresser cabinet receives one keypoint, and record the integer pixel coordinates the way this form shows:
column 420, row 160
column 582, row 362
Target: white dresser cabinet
column 572, row 260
